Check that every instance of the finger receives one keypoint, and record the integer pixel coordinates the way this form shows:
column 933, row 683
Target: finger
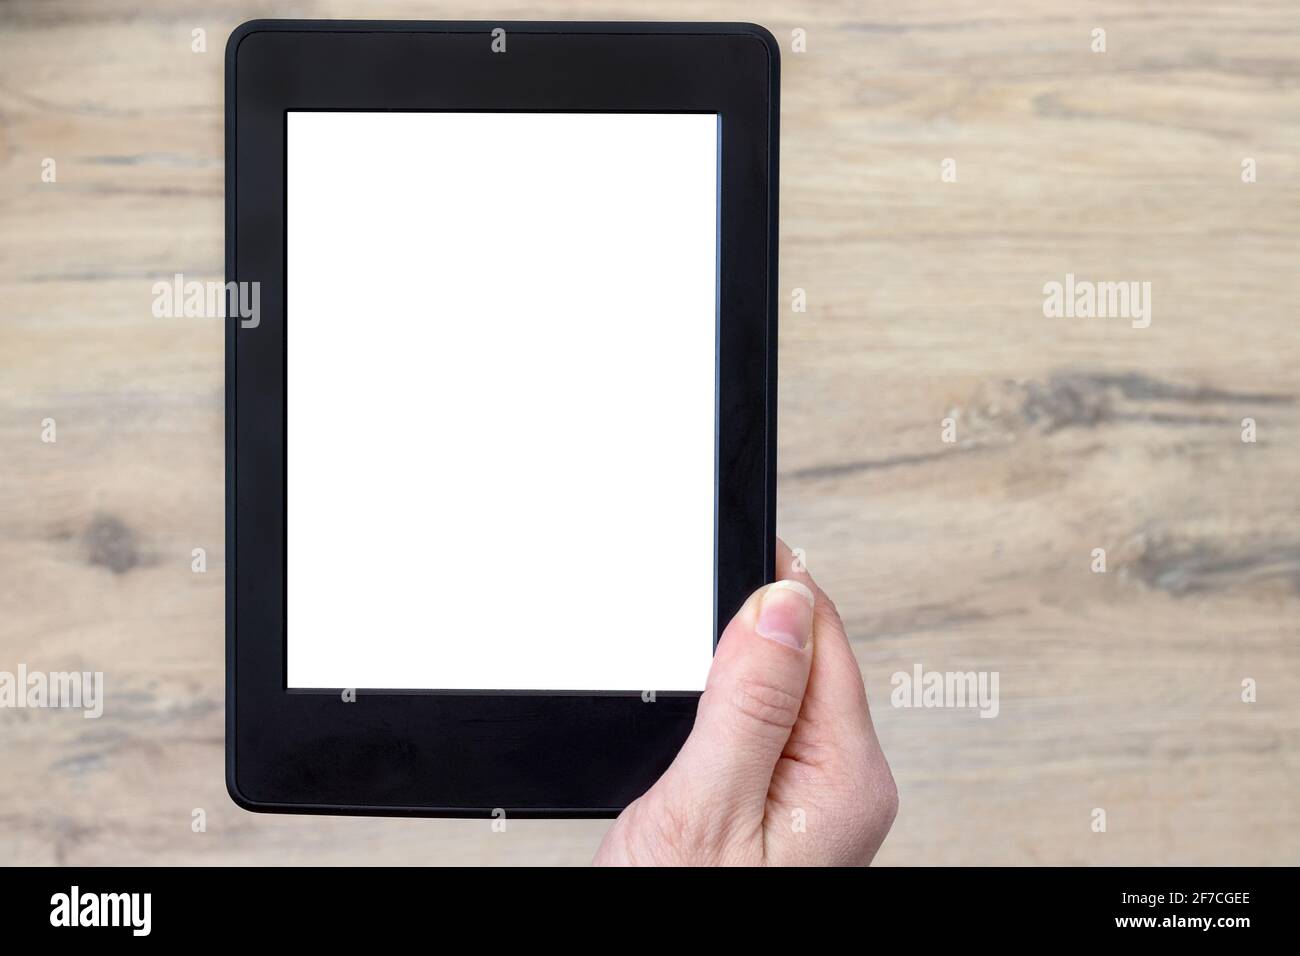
column 751, row 701
column 835, row 724
column 794, row 567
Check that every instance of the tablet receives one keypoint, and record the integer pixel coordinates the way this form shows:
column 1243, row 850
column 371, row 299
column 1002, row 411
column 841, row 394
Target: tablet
column 500, row 381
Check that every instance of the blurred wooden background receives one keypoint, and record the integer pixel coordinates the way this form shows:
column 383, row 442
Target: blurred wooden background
column 1119, row 690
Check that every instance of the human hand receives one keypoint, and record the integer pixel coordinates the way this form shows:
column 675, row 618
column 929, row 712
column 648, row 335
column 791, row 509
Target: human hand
column 782, row 766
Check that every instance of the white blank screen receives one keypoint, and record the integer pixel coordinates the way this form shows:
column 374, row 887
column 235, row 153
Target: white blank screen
column 501, row 378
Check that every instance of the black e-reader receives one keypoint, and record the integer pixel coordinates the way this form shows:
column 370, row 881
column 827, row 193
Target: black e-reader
column 500, row 431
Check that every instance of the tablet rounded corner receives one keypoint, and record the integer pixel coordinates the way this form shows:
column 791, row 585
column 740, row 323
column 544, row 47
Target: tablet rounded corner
column 241, row 799
column 240, row 33
column 764, row 36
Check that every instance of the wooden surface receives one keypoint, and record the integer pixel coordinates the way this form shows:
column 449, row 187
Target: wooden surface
column 1118, row 690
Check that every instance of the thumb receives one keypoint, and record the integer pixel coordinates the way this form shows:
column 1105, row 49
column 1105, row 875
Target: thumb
column 749, row 705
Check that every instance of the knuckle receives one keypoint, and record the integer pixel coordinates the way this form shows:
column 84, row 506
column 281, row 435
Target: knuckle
column 876, row 811
column 764, row 702
column 886, row 802
column 865, row 805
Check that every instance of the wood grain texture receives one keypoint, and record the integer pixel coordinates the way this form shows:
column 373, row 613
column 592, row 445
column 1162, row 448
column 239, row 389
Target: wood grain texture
column 1118, row 690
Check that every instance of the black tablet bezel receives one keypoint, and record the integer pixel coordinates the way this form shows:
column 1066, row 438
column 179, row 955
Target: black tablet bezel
column 459, row 753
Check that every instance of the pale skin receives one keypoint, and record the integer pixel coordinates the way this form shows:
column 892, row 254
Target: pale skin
column 782, row 766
